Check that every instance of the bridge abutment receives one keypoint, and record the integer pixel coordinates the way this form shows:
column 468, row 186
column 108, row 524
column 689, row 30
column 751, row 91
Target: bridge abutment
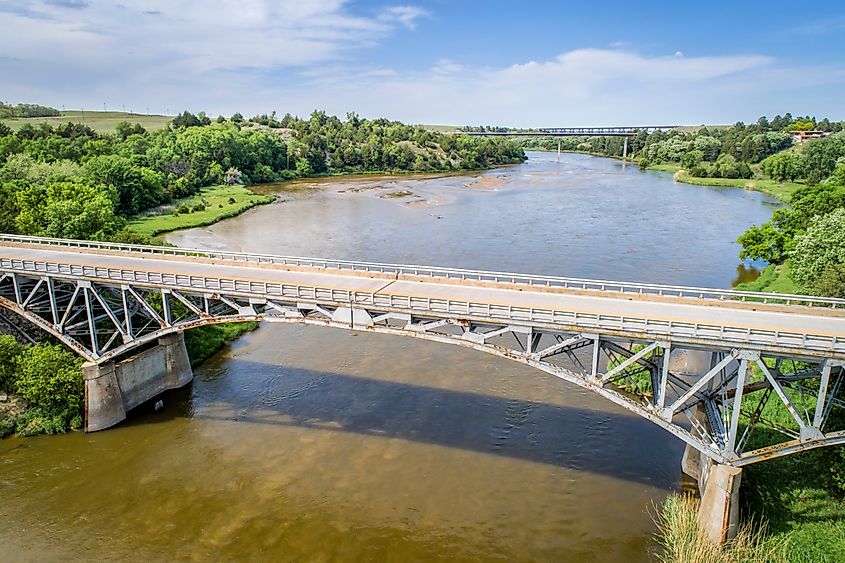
column 718, row 485
column 718, row 515
column 115, row 387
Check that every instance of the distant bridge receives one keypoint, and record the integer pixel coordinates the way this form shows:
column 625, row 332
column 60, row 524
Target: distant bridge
column 573, row 131
column 629, row 343
column 624, row 132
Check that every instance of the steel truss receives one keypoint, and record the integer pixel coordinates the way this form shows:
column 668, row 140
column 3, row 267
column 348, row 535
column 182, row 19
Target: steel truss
column 716, row 411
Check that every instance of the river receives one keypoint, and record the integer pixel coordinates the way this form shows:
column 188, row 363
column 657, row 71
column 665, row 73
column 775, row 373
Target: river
column 314, row 444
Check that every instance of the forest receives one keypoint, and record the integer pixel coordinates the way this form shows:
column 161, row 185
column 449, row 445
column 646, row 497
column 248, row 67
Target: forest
column 69, row 181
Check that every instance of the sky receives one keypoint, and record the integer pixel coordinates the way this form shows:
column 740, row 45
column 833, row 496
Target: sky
column 456, row 62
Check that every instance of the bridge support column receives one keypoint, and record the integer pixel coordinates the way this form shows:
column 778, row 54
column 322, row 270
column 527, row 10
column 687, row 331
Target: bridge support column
column 113, row 388
column 718, row 515
column 103, row 399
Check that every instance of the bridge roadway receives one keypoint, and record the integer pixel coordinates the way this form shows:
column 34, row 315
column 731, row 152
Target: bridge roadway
column 814, row 324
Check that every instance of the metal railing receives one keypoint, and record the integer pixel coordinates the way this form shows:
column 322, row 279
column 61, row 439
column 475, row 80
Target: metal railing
column 700, row 333
column 643, row 289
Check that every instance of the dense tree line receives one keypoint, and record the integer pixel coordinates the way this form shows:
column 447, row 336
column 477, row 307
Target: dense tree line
column 809, row 233
column 26, row 110
column 69, row 181
column 737, row 151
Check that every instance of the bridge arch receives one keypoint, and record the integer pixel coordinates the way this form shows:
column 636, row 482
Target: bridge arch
column 612, row 358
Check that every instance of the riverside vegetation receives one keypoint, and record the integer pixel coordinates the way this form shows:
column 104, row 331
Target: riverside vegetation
column 50, row 176
column 70, row 181
column 758, row 156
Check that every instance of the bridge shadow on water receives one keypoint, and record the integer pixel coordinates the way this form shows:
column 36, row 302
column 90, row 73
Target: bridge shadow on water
column 609, row 442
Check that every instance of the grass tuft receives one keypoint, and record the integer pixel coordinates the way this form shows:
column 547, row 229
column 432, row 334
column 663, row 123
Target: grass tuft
column 683, row 542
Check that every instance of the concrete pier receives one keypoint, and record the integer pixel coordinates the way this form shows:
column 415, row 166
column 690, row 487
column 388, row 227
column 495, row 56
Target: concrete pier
column 718, row 485
column 718, row 515
column 113, row 388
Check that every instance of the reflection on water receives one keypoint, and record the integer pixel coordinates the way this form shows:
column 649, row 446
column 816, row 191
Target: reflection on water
column 315, row 444
column 746, row 273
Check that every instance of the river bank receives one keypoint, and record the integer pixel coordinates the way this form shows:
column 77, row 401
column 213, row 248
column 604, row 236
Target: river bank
column 780, row 190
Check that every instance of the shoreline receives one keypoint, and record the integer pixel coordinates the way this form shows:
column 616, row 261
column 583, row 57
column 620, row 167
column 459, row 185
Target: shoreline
column 166, row 222
column 778, row 190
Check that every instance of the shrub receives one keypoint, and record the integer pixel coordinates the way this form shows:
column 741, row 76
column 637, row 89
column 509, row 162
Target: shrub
column 43, row 421
column 198, row 207
column 183, row 209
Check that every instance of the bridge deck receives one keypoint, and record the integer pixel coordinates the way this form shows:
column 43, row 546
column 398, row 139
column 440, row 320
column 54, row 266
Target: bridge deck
column 810, row 321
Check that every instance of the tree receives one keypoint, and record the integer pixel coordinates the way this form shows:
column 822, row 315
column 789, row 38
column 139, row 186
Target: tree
column 75, row 210
column 783, row 166
column 233, row 176
column 821, row 248
column 10, row 349
column 49, row 376
column 763, row 242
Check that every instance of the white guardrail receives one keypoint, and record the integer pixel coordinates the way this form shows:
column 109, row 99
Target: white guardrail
column 707, row 334
column 445, row 273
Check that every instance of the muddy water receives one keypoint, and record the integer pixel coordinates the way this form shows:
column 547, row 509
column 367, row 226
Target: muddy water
column 315, row 444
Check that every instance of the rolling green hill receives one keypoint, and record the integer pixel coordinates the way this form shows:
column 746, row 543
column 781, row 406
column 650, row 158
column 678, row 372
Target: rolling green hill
column 99, row 121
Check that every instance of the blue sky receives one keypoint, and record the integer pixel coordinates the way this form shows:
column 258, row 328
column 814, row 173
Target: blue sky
column 455, row 62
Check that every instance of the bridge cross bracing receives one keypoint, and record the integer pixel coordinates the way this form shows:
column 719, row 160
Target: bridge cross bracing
column 622, row 341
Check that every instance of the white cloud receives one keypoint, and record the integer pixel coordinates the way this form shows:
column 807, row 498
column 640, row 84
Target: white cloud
column 290, row 55
column 82, row 49
column 589, row 87
column 405, row 15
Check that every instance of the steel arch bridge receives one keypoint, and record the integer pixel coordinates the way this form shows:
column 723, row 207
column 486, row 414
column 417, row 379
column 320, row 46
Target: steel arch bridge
column 621, row 341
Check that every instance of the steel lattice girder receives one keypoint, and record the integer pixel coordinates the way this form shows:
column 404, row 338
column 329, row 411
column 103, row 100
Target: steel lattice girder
column 102, row 321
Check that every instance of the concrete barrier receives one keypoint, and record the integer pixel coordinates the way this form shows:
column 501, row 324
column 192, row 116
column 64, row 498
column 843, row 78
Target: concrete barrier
column 113, row 388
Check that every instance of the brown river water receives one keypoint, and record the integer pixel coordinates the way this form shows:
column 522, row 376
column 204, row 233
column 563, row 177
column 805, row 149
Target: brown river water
column 315, row 444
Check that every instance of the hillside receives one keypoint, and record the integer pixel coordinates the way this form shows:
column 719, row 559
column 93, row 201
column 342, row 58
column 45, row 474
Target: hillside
column 99, row 121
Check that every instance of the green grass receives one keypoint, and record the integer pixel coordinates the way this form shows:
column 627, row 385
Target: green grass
column 205, row 341
column 99, row 121
column 664, row 167
column 220, row 202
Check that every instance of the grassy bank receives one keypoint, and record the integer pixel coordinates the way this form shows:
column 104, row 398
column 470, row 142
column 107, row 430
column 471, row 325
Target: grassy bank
column 205, row 208
column 99, row 121
column 781, row 190
column 773, row 279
